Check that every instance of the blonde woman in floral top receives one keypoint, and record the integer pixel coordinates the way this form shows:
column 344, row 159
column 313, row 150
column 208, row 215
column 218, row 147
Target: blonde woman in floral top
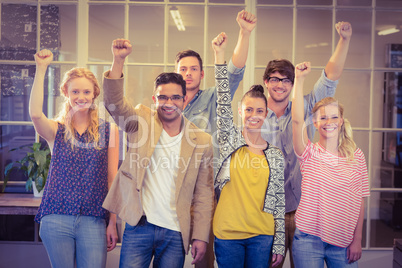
column 248, row 224
column 73, row 224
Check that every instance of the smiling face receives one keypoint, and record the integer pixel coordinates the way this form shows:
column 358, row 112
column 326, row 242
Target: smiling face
column 253, row 112
column 80, row 93
column 169, row 110
column 278, row 92
column 328, row 121
column 190, row 69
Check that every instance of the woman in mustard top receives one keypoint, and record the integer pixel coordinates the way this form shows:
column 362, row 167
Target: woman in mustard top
column 248, row 224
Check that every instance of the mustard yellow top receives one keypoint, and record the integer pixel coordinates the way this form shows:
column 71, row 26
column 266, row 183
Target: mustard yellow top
column 239, row 213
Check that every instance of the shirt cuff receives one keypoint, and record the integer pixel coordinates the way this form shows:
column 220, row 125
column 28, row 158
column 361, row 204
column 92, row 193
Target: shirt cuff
column 233, row 69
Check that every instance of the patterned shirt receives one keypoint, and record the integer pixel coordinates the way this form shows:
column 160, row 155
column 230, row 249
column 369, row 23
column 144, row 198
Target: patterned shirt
column 230, row 139
column 332, row 192
column 77, row 182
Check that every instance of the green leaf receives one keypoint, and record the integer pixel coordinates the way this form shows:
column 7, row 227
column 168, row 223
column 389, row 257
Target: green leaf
column 40, row 158
column 30, row 168
column 8, row 168
column 28, row 185
column 40, row 183
column 36, row 146
column 7, row 171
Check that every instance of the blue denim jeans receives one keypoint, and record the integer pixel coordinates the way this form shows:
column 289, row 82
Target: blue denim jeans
column 145, row 240
column 309, row 251
column 252, row 252
column 74, row 238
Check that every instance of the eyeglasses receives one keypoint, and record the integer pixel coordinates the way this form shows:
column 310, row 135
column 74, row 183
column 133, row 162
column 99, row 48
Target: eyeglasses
column 275, row 80
column 164, row 98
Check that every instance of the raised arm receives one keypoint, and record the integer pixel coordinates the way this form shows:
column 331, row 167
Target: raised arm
column 45, row 127
column 116, row 104
column 299, row 131
column 121, row 48
column 334, row 67
column 247, row 22
column 224, row 120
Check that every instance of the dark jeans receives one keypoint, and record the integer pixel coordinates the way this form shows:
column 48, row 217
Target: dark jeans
column 254, row 252
column 145, row 240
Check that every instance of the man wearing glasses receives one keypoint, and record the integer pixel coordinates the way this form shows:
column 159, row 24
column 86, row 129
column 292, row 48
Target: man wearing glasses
column 277, row 128
column 166, row 173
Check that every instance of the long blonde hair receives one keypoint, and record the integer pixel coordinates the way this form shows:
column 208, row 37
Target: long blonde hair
column 65, row 116
column 346, row 145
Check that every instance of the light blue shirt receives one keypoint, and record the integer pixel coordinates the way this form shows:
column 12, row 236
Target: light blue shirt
column 202, row 108
column 278, row 131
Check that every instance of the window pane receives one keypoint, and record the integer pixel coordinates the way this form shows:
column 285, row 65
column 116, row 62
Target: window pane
column 14, row 137
column 16, row 84
column 140, row 84
column 389, row 3
column 258, row 74
column 386, row 161
column 192, row 37
column 59, row 31
column 389, row 99
column 98, row 71
column 353, row 91
column 360, row 45
column 387, row 221
column 147, row 41
column 362, row 140
column 222, row 19
column 106, row 23
column 387, row 20
column 18, row 31
column 313, row 36
column 273, row 42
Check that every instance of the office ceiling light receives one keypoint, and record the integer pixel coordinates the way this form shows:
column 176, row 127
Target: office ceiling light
column 177, row 18
column 388, row 31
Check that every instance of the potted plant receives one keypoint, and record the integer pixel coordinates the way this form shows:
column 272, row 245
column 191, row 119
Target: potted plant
column 35, row 166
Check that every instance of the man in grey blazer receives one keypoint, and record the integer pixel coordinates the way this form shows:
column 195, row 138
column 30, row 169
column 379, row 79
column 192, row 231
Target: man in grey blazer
column 167, row 171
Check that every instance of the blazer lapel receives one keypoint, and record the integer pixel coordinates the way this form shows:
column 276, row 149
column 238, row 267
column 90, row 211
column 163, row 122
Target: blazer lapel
column 154, row 132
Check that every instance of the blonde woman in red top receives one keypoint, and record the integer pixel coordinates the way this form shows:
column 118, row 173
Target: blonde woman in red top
column 329, row 219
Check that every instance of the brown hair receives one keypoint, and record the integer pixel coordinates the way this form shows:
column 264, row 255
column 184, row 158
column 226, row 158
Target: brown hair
column 188, row 53
column 284, row 67
column 256, row 91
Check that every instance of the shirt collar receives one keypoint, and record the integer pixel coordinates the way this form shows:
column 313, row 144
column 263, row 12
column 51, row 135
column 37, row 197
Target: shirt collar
column 196, row 96
column 287, row 111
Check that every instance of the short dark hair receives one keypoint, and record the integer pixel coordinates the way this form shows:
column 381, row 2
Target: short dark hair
column 256, row 91
column 167, row 78
column 284, row 67
column 188, row 53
